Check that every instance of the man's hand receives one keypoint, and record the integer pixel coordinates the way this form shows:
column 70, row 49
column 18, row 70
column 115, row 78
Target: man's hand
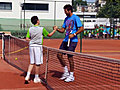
column 62, row 30
column 71, row 35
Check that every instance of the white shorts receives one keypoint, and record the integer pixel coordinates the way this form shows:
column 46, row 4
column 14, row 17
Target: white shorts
column 117, row 34
column 36, row 55
column 89, row 35
column 104, row 33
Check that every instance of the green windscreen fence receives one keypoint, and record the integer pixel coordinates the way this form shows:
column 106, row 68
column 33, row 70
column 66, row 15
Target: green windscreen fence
column 19, row 29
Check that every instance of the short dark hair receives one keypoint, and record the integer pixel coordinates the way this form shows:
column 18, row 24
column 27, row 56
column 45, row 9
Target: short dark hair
column 68, row 7
column 34, row 20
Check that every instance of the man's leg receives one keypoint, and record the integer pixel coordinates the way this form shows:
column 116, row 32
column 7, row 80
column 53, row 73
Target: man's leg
column 63, row 63
column 63, row 46
column 71, row 76
column 71, row 62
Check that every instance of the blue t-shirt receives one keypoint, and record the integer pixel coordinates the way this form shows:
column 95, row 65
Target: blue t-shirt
column 108, row 30
column 71, row 24
column 115, row 31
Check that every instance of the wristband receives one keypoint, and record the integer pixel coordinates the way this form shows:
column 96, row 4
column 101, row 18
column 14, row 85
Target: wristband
column 74, row 34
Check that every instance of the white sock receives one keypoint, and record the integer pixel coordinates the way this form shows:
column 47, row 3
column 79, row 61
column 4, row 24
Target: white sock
column 36, row 76
column 28, row 74
column 65, row 69
column 71, row 73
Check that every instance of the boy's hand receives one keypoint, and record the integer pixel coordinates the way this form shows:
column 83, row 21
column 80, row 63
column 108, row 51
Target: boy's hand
column 27, row 39
column 55, row 27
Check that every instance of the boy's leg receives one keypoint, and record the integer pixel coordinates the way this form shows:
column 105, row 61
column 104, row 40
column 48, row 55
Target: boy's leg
column 30, row 67
column 29, row 71
column 38, row 61
column 37, row 69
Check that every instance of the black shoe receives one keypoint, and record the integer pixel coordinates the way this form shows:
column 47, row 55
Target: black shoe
column 26, row 82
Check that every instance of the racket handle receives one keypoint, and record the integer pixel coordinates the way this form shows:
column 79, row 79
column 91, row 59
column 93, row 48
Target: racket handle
column 68, row 42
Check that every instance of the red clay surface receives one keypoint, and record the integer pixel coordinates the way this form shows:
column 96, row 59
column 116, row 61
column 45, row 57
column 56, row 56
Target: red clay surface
column 90, row 74
column 105, row 48
column 12, row 78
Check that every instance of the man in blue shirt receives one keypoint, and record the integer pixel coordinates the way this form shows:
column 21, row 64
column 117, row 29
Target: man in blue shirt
column 73, row 26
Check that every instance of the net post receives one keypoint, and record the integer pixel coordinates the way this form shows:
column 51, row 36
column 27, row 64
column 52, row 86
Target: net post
column 9, row 48
column 46, row 69
column 81, row 42
column 3, row 46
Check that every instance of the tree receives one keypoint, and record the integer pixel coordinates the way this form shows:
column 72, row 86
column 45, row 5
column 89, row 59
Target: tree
column 77, row 2
column 110, row 10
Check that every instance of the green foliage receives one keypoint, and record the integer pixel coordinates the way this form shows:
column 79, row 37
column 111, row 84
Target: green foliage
column 110, row 10
column 78, row 2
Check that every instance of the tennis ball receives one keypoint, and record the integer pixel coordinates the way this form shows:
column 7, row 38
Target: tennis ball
column 16, row 58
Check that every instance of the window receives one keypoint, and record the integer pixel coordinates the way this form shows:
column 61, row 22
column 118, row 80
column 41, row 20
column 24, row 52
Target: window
column 5, row 6
column 88, row 20
column 35, row 6
column 86, row 16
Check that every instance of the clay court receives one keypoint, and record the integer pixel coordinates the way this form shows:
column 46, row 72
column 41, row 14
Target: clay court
column 107, row 48
column 11, row 78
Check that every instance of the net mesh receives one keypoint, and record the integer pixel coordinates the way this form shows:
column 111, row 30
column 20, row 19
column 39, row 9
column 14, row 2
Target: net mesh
column 16, row 54
column 91, row 72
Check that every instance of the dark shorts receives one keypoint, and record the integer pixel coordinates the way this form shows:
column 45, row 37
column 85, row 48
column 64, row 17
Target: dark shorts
column 71, row 47
column 101, row 34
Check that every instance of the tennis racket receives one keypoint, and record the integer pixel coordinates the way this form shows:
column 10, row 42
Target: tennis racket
column 69, row 30
column 69, row 40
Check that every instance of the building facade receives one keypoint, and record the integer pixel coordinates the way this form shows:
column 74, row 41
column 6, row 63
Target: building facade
column 19, row 12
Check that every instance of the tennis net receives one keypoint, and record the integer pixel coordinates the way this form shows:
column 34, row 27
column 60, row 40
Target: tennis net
column 91, row 72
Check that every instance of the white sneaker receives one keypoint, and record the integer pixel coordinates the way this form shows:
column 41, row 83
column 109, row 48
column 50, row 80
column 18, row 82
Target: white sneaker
column 64, row 76
column 37, row 80
column 70, row 79
column 27, row 78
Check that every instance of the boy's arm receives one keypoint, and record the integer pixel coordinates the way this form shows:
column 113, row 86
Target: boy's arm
column 27, row 39
column 28, row 36
column 50, row 34
column 46, row 33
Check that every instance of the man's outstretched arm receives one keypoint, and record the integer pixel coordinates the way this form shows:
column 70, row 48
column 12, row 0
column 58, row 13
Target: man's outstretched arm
column 62, row 30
